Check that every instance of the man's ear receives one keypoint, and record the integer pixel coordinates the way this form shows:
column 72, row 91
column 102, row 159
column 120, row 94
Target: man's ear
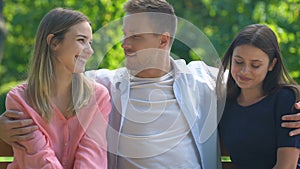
column 52, row 42
column 165, row 40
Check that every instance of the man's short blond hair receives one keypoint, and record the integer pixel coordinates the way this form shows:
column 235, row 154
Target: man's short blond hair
column 164, row 21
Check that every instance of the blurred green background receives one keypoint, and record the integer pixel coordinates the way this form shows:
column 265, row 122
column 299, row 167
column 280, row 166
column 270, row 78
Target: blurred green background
column 220, row 20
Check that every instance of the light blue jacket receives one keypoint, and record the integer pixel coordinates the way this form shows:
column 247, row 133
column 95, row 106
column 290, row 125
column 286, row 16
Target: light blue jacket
column 194, row 89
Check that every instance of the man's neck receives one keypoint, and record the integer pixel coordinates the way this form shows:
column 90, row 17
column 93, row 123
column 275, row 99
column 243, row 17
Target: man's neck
column 152, row 73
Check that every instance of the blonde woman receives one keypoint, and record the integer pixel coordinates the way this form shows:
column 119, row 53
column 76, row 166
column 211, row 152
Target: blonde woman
column 70, row 111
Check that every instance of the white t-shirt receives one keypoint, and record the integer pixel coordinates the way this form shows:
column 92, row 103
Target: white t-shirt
column 155, row 133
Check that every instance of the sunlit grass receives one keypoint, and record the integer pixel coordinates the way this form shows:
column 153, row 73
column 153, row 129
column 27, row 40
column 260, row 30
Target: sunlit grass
column 225, row 159
column 6, row 159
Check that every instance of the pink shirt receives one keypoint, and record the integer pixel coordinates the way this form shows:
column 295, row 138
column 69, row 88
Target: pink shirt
column 76, row 142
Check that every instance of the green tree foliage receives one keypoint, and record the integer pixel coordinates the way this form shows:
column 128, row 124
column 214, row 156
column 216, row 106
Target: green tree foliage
column 220, row 20
column 2, row 30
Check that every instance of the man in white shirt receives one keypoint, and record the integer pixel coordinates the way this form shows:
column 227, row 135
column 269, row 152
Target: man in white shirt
column 160, row 104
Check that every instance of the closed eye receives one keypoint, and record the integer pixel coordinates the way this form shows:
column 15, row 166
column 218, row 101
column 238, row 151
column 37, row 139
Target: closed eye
column 255, row 66
column 238, row 62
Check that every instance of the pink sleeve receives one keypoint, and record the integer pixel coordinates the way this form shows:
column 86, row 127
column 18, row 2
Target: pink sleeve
column 91, row 152
column 103, row 102
column 38, row 153
column 90, row 155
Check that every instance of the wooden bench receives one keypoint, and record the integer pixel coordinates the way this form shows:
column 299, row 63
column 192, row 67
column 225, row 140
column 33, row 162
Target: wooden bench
column 6, row 154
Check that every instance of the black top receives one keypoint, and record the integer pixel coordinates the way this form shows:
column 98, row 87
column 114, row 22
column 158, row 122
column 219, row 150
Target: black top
column 252, row 134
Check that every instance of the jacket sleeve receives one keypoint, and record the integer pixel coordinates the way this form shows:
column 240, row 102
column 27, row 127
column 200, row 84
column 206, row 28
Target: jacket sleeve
column 38, row 153
column 102, row 76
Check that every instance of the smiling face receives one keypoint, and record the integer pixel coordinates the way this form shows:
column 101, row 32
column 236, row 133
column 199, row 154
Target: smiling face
column 75, row 49
column 249, row 67
column 144, row 49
